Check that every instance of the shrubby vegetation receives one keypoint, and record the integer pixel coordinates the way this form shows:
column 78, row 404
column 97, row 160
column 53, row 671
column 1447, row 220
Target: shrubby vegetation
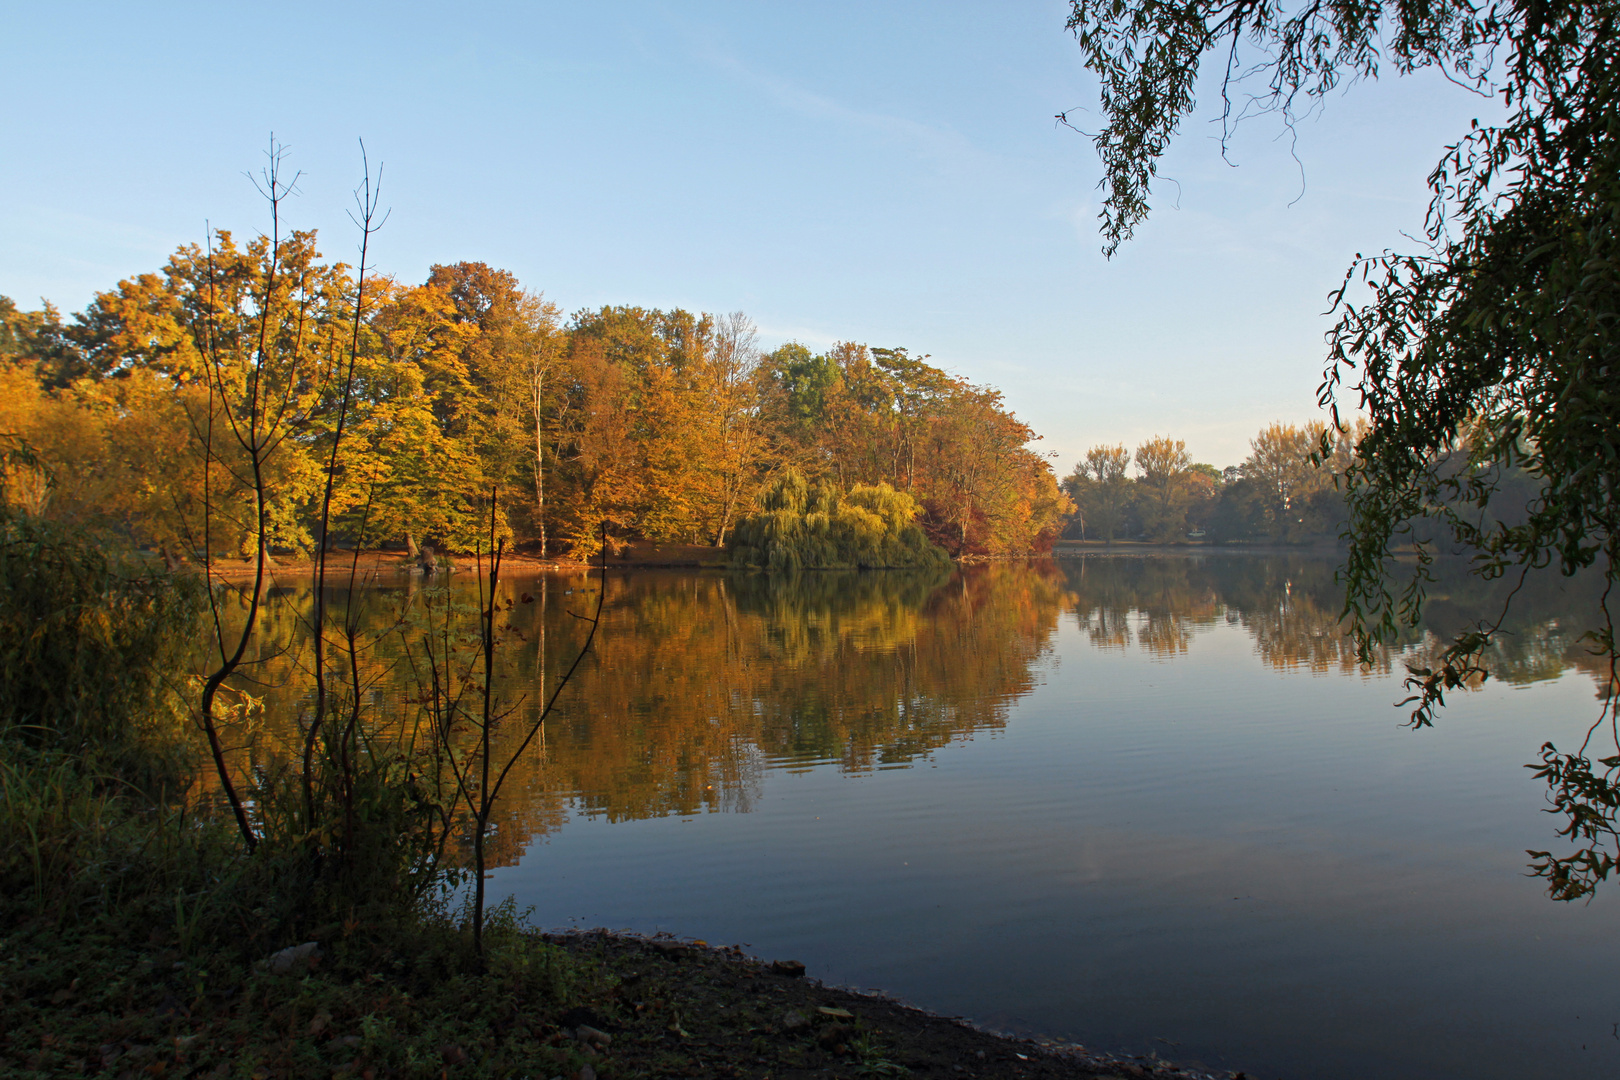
column 136, row 922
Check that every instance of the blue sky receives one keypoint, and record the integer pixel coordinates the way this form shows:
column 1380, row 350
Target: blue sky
column 879, row 172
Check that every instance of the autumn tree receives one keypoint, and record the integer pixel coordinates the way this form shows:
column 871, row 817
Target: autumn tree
column 662, row 424
column 1285, row 475
column 740, row 452
column 598, row 459
column 406, row 475
column 1162, row 489
column 1204, row 484
column 1101, row 489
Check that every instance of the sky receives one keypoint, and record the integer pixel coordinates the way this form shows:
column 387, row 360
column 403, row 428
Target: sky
column 885, row 173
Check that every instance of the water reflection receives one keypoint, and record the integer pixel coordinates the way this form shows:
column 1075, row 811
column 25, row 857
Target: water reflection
column 1291, row 607
column 700, row 683
column 1186, row 818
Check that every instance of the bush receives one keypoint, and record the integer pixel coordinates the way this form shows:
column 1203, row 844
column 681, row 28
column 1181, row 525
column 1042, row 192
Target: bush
column 107, row 808
column 93, row 650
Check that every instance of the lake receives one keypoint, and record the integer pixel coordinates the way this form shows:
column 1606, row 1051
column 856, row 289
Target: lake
column 1145, row 804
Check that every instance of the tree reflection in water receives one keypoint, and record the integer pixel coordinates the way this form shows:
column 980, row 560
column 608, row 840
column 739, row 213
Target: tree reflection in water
column 1290, row 605
column 700, row 682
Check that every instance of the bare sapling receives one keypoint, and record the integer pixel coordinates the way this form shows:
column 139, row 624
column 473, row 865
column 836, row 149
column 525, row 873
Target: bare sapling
column 242, row 399
column 365, row 218
column 477, row 776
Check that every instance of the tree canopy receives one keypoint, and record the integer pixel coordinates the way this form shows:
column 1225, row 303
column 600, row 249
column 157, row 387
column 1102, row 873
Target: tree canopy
column 1484, row 360
column 1280, row 495
column 666, row 425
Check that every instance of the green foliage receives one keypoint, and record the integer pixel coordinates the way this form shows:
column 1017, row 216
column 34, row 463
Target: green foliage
column 1147, row 56
column 101, row 812
column 807, row 382
column 96, row 751
column 1281, row 494
column 804, row 526
column 92, row 645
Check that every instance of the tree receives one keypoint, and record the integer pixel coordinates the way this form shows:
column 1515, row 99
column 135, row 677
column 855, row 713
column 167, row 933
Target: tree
column 918, row 388
column 1101, row 488
column 1162, row 491
column 43, row 341
column 739, row 442
column 1204, row 483
column 1284, row 473
column 798, row 525
column 1488, row 355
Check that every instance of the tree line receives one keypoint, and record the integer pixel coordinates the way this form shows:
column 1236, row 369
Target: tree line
column 1287, row 490
column 665, row 425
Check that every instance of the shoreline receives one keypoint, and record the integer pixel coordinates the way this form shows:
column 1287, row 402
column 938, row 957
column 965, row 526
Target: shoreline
column 817, row 1027
column 370, row 1003
column 644, row 555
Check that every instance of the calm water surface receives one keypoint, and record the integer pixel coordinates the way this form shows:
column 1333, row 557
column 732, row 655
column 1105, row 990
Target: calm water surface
column 1144, row 804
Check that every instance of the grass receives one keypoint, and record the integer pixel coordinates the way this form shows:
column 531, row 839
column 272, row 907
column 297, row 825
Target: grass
column 379, row 1002
column 95, row 1002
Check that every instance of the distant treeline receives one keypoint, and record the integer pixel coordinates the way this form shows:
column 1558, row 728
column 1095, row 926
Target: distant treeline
column 1279, row 494
column 665, row 425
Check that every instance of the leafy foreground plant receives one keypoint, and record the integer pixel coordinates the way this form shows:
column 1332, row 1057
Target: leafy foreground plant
column 1485, row 360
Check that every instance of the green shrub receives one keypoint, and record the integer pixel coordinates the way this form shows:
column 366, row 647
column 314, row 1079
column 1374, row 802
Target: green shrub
column 94, row 650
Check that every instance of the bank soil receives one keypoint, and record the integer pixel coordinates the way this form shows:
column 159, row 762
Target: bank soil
column 688, row 1009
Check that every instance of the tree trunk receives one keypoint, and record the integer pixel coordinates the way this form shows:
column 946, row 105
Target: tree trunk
column 539, row 461
column 725, row 515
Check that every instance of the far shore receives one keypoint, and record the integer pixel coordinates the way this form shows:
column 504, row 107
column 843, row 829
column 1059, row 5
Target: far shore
column 640, row 554
column 1191, row 547
column 648, row 555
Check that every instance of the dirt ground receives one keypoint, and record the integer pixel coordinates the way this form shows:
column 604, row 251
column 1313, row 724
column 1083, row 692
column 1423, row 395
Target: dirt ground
column 683, row 1008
